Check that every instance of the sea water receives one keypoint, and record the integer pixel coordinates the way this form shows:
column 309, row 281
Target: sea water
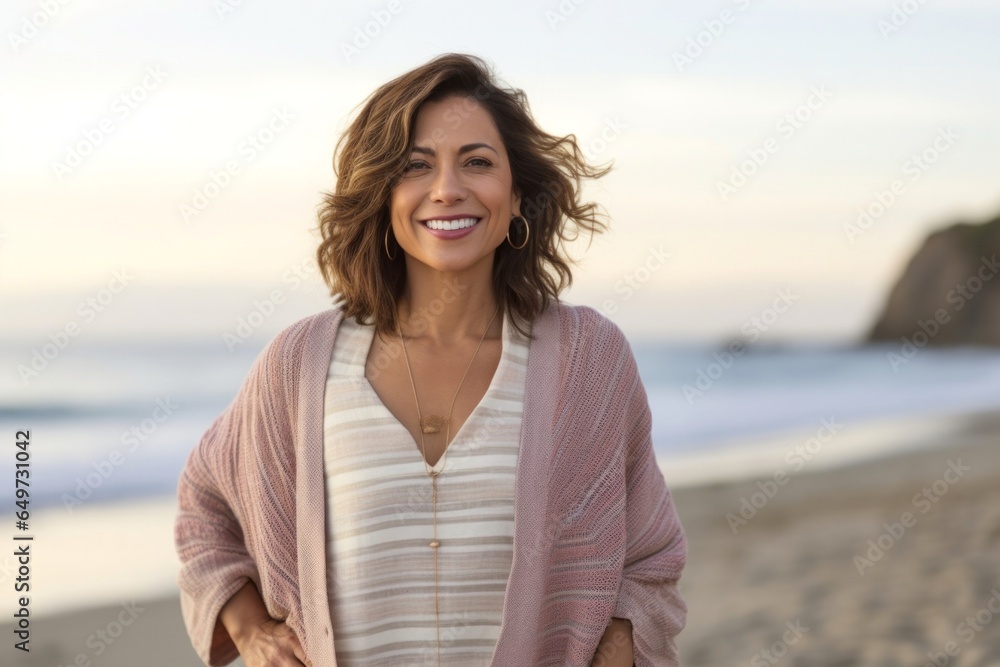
column 116, row 420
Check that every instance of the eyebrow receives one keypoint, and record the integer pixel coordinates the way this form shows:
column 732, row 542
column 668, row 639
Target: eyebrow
column 464, row 149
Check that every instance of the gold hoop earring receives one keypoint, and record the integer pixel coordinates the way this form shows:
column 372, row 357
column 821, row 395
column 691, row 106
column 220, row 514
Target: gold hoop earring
column 527, row 233
column 391, row 258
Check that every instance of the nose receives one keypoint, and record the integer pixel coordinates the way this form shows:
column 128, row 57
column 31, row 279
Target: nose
column 446, row 186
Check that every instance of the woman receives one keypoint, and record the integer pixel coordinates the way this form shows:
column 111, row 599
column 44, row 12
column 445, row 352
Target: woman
column 450, row 466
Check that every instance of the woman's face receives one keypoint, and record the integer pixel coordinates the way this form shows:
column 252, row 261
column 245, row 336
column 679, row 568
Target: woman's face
column 457, row 166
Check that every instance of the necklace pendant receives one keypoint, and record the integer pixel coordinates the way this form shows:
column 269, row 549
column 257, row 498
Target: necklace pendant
column 435, row 544
column 432, row 423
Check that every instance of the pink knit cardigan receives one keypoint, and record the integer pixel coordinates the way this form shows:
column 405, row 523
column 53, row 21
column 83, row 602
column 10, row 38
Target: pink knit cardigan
column 596, row 534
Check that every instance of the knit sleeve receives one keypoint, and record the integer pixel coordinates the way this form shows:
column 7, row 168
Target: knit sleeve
column 656, row 546
column 224, row 497
column 215, row 562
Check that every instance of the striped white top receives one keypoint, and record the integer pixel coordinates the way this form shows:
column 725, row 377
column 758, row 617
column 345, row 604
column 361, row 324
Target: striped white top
column 380, row 521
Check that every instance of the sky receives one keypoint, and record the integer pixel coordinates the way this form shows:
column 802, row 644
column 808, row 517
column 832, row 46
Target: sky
column 746, row 138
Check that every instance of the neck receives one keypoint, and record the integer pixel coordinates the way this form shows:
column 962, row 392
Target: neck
column 446, row 307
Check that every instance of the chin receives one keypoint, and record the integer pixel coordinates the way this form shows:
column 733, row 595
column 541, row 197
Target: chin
column 453, row 264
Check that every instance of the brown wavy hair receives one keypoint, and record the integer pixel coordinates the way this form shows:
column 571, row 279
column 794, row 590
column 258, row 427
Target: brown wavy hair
column 370, row 157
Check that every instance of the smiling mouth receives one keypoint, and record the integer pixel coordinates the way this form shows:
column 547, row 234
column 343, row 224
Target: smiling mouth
column 451, row 225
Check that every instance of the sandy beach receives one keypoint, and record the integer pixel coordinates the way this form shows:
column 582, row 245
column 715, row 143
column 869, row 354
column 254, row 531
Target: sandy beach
column 891, row 561
column 827, row 574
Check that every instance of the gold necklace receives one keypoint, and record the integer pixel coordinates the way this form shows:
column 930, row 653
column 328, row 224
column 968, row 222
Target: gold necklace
column 432, row 421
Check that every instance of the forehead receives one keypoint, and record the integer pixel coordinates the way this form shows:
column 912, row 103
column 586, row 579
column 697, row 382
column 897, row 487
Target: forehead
column 454, row 121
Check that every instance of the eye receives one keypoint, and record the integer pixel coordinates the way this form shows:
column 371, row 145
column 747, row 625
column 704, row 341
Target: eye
column 482, row 162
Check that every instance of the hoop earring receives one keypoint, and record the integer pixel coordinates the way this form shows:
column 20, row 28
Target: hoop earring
column 527, row 233
column 391, row 258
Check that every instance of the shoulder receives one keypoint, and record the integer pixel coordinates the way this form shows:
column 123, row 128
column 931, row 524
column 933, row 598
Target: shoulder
column 313, row 334
column 294, row 361
column 588, row 331
column 593, row 344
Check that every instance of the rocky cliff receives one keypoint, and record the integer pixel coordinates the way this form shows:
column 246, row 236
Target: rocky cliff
column 949, row 293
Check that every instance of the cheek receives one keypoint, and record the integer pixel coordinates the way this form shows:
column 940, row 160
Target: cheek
column 401, row 202
column 501, row 193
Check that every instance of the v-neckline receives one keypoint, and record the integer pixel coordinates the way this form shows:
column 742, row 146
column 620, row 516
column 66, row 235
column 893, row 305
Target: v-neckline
column 414, row 445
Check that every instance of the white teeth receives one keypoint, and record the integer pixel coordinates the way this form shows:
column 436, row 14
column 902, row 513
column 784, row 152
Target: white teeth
column 461, row 223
